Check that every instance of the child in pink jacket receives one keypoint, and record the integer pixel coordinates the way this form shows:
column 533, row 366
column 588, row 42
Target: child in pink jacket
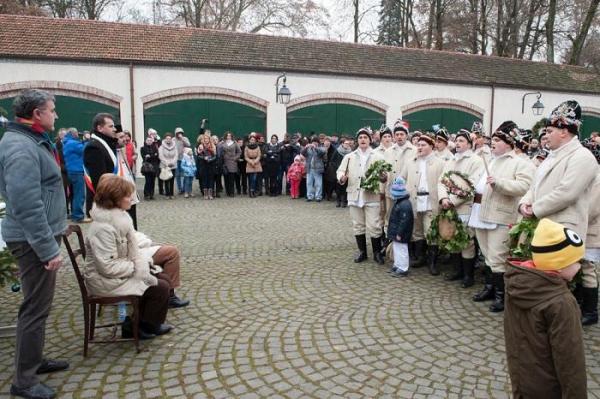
column 294, row 175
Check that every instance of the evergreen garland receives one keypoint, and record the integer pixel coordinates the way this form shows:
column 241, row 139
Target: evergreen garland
column 460, row 239
column 520, row 236
column 371, row 180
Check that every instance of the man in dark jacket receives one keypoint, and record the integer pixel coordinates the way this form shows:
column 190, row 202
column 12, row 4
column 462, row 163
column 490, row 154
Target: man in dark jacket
column 99, row 156
column 31, row 184
column 542, row 327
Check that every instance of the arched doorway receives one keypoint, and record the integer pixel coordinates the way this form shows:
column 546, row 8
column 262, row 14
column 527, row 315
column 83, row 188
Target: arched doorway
column 590, row 118
column 333, row 113
column 451, row 114
column 76, row 104
column 226, row 110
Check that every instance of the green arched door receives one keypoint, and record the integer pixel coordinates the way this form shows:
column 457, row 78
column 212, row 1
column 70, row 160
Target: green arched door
column 451, row 119
column 341, row 119
column 72, row 111
column 222, row 116
column 590, row 123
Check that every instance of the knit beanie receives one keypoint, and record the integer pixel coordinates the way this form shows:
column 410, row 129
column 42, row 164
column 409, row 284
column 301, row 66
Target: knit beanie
column 398, row 188
column 555, row 247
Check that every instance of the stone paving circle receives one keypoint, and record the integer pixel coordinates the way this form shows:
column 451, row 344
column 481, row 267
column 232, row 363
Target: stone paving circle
column 279, row 310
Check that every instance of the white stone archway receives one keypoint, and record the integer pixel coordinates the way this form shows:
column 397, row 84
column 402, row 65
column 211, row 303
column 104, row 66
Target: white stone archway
column 337, row 97
column 450, row 103
column 204, row 92
column 63, row 88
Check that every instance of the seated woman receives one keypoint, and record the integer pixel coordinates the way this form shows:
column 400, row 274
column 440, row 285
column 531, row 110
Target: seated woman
column 167, row 257
column 114, row 266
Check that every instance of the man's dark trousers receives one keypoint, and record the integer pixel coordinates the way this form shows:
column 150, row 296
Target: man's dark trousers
column 37, row 284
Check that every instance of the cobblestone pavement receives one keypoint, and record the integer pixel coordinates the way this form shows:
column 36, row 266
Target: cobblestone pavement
column 279, row 310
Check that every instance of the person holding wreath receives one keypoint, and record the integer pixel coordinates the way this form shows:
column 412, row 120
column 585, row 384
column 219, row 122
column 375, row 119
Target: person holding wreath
column 363, row 202
column 497, row 195
column 466, row 166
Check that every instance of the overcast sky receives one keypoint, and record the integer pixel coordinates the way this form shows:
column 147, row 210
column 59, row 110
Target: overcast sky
column 339, row 25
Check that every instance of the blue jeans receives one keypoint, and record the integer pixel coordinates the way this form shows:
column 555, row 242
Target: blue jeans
column 187, row 184
column 76, row 180
column 314, row 185
column 252, row 178
column 179, row 177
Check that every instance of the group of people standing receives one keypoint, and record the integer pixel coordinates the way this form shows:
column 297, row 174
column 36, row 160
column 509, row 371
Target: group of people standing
column 490, row 189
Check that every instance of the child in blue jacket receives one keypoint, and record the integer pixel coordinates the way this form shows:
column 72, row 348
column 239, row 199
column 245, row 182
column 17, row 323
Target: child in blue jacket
column 400, row 227
column 188, row 166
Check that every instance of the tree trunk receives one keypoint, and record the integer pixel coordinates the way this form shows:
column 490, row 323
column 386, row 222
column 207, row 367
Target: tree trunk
column 483, row 28
column 439, row 25
column 475, row 25
column 532, row 10
column 430, row 23
column 356, row 16
column 582, row 35
column 550, row 31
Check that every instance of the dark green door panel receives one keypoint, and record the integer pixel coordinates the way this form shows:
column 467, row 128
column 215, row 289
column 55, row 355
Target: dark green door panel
column 222, row 115
column 451, row 119
column 590, row 123
column 72, row 112
column 332, row 118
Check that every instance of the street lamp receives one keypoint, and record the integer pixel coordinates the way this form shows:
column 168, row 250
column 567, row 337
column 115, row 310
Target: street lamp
column 538, row 107
column 282, row 94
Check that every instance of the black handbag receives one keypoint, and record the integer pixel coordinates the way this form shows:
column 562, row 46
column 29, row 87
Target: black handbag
column 147, row 168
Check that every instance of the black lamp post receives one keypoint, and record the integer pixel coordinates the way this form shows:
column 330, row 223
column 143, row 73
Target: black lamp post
column 538, row 107
column 282, row 94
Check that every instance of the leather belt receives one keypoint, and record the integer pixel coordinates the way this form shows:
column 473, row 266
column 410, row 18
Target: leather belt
column 421, row 193
column 477, row 199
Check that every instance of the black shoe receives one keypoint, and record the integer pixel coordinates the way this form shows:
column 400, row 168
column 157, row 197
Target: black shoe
column 589, row 306
column 418, row 259
column 457, row 272
column 432, row 253
column 162, row 329
column 378, row 257
column 468, row 266
column 498, row 304
column 127, row 331
column 361, row 243
column 37, row 391
column 338, row 204
column 400, row 274
column 487, row 292
column 176, row 302
column 50, row 366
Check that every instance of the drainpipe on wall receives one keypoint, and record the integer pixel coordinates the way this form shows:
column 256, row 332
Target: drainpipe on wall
column 132, row 103
column 492, row 109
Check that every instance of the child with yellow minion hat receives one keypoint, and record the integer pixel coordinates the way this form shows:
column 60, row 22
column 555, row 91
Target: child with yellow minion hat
column 542, row 327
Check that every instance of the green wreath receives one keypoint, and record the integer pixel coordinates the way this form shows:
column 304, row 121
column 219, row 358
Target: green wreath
column 519, row 238
column 371, row 180
column 460, row 239
column 454, row 189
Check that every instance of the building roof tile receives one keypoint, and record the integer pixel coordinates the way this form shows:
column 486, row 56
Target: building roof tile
column 108, row 42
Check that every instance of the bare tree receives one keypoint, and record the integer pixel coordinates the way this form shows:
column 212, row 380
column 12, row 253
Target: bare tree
column 579, row 41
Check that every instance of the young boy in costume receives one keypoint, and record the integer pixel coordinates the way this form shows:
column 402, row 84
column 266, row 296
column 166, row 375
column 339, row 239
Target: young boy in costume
column 542, row 327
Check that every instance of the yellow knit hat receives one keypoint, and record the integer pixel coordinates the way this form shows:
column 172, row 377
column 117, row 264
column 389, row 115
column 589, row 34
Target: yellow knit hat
column 554, row 246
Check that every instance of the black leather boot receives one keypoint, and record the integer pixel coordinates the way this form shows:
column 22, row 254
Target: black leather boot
column 419, row 254
column 378, row 257
column 498, row 304
column 457, row 270
column 361, row 243
column 432, row 252
column 487, row 292
column 468, row 266
column 590, row 306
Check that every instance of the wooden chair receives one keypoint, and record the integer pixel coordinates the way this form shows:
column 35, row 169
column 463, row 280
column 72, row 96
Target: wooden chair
column 90, row 301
